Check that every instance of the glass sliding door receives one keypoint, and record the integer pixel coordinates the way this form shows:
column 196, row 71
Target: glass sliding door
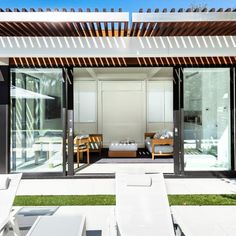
column 207, row 124
column 36, row 120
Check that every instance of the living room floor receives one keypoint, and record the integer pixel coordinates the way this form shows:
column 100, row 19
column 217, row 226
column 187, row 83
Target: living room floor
column 127, row 167
column 143, row 156
column 142, row 162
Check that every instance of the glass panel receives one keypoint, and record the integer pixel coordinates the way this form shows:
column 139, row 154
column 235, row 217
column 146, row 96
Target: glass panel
column 207, row 119
column 36, row 120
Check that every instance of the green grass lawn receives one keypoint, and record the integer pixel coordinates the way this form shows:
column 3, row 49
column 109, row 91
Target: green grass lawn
column 71, row 200
column 203, row 199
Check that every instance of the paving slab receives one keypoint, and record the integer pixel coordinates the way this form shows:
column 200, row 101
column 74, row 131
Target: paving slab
column 66, row 187
column 206, row 220
column 107, row 186
column 201, row 186
column 193, row 220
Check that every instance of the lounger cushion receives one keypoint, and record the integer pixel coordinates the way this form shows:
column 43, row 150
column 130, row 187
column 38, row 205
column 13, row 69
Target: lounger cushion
column 142, row 180
column 4, row 182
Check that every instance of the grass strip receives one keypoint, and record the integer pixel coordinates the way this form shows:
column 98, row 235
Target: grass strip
column 93, row 200
column 202, row 199
column 65, row 200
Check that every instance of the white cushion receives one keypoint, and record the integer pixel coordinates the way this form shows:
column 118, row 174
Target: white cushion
column 4, row 182
column 123, row 147
column 81, row 136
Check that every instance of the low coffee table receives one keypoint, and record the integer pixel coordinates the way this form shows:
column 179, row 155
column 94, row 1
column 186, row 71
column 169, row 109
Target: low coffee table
column 123, row 149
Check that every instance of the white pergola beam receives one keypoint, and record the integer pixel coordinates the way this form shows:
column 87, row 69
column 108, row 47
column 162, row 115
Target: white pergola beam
column 184, row 17
column 115, row 76
column 118, row 46
column 64, row 16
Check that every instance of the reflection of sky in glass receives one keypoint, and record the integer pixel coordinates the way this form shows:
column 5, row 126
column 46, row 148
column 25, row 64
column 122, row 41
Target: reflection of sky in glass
column 131, row 5
column 26, row 94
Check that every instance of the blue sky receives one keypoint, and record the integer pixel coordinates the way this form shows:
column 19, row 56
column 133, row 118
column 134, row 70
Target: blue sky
column 126, row 5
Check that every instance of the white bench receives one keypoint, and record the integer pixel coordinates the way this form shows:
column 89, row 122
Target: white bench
column 58, row 226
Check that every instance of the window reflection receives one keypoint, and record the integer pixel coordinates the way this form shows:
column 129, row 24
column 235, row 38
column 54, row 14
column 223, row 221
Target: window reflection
column 207, row 119
column 36, row 120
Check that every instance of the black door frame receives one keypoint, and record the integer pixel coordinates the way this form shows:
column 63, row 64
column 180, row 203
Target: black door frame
column 178, row 124
column 69, row 121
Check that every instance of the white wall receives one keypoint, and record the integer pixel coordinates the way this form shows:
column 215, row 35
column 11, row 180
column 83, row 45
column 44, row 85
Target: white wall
column 85, row 106
column 122, row 111
column 160, row 105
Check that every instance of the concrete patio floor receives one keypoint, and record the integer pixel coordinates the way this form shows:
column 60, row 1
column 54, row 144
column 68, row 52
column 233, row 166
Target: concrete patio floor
column 193, row 220
column 107, row 186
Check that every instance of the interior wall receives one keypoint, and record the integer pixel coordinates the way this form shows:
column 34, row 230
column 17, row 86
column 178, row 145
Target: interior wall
column 85, row 98
column 160, row 105
column 122, row 107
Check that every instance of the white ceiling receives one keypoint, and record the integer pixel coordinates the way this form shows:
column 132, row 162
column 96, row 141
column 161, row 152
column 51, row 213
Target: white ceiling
column 123, row 73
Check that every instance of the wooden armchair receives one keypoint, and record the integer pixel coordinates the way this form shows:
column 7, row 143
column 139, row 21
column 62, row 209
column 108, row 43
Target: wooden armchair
column 82, row 146
column 92, row 143
column 95, row 143
column 167, row 141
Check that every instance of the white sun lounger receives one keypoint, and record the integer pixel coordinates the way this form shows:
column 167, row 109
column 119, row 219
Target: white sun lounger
column 142, row 206
column 7, row 197
column 58, row 226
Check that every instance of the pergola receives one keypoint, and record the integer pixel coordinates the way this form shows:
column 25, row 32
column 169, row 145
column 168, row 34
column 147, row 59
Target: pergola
column 113, row 38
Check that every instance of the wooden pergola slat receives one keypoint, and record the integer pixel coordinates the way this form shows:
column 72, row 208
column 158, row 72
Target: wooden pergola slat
column 119, row 25
column 89, row 28
column 99, row 28
column 112, row 25
column 105, row 24
column 121, row 62
column 91, row 25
